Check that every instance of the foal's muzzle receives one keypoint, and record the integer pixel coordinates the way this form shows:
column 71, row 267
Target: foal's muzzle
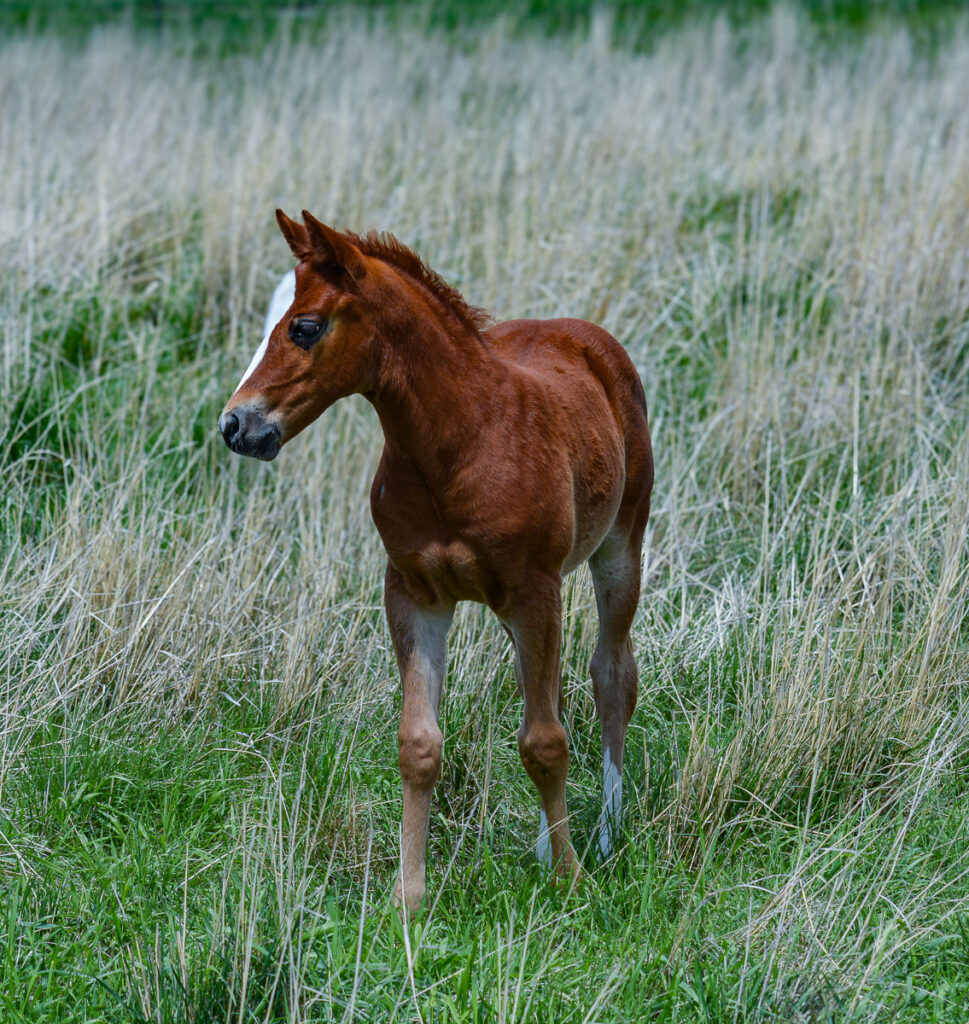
column 248, row 432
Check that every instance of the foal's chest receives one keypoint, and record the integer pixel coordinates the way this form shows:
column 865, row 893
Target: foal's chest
column 437, row 563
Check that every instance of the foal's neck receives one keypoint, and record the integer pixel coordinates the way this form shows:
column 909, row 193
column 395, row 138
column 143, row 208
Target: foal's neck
column 435, row 378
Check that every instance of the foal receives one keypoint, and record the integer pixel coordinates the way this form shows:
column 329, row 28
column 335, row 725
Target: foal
column 512, row 453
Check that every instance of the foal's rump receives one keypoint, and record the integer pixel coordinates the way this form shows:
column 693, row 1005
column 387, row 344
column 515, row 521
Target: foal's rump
column 565, row 352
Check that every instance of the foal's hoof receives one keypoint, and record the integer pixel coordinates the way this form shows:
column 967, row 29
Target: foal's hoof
column 567, row 876
column 408, row 900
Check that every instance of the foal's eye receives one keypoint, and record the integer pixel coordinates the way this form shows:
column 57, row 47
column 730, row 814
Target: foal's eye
column 306, row 330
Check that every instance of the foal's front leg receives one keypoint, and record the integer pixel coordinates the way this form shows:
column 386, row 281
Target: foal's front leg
column 535, row 623
column 420, row 642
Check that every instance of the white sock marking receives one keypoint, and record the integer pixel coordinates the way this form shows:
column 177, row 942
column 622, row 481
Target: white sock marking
column 543, row 848
column 611, row 804
column 281, row 301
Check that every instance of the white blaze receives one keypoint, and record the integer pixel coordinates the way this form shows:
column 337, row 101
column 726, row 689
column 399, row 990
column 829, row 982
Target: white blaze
column 611, row 803
column 281, row 301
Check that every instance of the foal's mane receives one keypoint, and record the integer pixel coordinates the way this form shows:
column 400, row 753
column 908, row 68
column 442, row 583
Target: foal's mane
column 384, row 246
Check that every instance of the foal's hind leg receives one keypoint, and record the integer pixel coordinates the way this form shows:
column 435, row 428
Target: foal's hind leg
column 420, row 642
column 616, row 573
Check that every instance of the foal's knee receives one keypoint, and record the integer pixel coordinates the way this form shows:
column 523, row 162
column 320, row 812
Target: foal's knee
column 420, row 755
column 544, row 750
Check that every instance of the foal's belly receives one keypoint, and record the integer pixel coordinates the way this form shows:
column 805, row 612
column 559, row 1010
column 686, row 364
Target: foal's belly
column 588, row 541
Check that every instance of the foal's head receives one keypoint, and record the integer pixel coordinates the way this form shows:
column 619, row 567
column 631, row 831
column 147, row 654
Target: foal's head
column 321, row 350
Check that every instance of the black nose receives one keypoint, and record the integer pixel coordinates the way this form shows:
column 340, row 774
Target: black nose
column 247, row 432
column 229, row 425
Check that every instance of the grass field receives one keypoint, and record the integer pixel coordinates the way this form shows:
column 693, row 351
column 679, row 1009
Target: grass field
column 199, row 798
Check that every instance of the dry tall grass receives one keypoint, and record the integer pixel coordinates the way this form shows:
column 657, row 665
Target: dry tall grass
column 777, row 232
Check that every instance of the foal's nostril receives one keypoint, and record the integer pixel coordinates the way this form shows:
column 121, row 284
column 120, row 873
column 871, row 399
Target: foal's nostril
column 247, row 431
column 229, row 425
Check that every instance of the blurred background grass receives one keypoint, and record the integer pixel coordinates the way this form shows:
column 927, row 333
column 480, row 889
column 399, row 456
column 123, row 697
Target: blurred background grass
column 247, row 24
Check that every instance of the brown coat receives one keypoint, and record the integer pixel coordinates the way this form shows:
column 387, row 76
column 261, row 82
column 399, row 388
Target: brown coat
column 513, row 452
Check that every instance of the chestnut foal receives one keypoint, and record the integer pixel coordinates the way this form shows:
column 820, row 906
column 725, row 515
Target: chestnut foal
column 512, row 453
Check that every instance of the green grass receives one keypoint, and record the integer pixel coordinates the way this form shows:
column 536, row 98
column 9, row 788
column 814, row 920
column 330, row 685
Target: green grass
column 212, row 26
column 199, row 800
column 200, row 871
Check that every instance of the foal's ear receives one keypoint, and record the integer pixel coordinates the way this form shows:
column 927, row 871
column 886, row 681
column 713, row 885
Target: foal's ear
column 295, row 234
column 333, row 249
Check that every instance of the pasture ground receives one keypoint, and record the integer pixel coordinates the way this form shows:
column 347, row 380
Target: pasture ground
column 198, row 788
